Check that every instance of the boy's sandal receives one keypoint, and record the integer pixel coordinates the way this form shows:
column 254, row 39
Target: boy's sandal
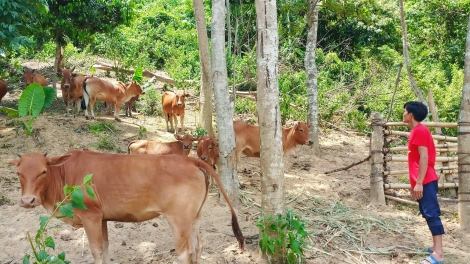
column 431, row 259
column 428, row 250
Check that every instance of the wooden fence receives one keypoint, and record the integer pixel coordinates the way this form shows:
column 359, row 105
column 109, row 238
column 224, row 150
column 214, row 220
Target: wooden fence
column 382, row 155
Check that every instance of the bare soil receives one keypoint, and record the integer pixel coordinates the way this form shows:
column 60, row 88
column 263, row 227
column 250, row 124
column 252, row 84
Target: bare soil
column 307, row 188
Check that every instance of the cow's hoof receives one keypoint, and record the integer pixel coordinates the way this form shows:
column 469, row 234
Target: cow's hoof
column 87, row 118
column 118, row 119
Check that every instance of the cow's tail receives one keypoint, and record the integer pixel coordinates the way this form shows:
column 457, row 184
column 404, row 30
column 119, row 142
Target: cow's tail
column 235, row 227
column 86, row 95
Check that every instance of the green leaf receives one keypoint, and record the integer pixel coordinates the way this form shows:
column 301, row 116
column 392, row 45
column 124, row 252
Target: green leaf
column 54, row 260
column 50, row 94
column 49, row 242
column 42, row 255
column 10, row 111
column 90, row 192
column 67, row 189
column 77, row 200
column 42, row 222
column 26, row 259
column 87, row 179
column 138, row 75
column 31, row 100
column 67, row 210
column 62, row 255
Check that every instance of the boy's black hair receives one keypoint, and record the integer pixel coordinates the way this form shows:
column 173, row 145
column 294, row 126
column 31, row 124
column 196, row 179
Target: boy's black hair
column 418, row 109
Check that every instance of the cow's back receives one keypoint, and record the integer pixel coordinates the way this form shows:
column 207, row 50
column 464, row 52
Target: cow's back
column 3, row 89
column 168, row 100
column 154, row 147
column 247, row 138
column 103, row 90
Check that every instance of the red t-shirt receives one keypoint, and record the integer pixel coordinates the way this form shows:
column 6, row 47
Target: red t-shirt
column 421, row 136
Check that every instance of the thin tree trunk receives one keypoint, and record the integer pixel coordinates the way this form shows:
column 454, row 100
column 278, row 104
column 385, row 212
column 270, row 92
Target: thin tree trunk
column 205, row 99
column 312, row 74
column 229, row 27
column 406, row 56
column 464, row 143
column 223, row 106
column 271, row 158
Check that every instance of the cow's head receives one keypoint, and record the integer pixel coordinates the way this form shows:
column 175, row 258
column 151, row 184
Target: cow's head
column 66, row 74
column 207, row 148
column 301, row 135
column 180, row 95
column 187, row 140
column 29, row 76
column 134, row 88
column 35, row 176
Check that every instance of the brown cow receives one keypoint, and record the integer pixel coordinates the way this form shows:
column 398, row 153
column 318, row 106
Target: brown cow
column 32, row 77
column 72, row 89
column 247, row 138
column 208, row 151
column 3, row 89
column 173, row 106
column 130, row 105
column 110, row 92
column 181, row 147
column 128, row 188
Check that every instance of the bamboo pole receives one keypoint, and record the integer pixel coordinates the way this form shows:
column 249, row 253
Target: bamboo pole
column 407, row 185
column 396, row 194
column 400, row 172
column 407, row 134
column 445, row 211
column 376, row 172
column 405, row 159
column 403, row 148
column 428, row 124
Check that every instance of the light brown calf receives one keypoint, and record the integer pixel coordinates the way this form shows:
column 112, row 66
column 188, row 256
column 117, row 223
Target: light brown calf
column 110, row 92
column 128, row 188
column 3, row 89
column 32, row 77
column 72, row 90
column 173, row 106
column 247, row 138
column 181, row 147
column 208, row 151
column 130, row 105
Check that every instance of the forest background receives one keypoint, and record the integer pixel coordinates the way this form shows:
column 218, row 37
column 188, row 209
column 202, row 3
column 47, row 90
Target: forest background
column 358, row 53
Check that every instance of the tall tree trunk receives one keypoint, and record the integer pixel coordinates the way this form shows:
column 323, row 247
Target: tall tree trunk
column 205, row 99
column 271, row 159
column 464, row 143
column 406, row 56
column 312, row 74
column 223, row 104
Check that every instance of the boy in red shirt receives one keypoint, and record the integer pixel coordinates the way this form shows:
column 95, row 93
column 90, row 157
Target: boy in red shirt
column 423, row 177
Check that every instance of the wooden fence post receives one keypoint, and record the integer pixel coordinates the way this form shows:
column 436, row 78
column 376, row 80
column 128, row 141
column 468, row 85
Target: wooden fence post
column 377, row 195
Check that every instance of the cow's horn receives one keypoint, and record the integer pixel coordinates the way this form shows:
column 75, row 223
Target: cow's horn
column 45, row 154
column 73, row 68
column 19, row 155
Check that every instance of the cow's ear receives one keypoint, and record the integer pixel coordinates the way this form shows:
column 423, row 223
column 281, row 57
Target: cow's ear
column 187, row 95
column 74, row 74
column 296, row 125
column 198, row 138
column 57, row 161
column 178, row 137
column 15, row 162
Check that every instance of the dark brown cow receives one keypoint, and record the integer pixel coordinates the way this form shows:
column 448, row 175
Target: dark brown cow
column 128, row 188
column 173, row 106
column 130, row 105
column 72, row 89
column 3, row 89
column 208, row 151
column 110, row 92
column 32, row 77
column 181, row 147
column 247, row 138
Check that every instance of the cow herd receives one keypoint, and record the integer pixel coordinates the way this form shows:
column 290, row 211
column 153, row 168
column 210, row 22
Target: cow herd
column 131, row 187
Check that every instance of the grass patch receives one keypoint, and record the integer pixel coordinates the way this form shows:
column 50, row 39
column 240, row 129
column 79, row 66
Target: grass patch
column 101, row 127
column 106, row 142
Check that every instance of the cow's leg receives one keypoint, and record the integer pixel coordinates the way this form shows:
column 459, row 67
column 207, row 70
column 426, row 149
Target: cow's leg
column 117, row 107
column 93, row 224
column 170, row 117
column 92, row 106
column 196, row 240
column 182, row 123
column 181, row 227
column 104, row 228
column 175, row 119
column 76, row 107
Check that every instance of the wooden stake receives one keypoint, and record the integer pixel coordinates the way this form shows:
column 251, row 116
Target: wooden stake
column 376, row 172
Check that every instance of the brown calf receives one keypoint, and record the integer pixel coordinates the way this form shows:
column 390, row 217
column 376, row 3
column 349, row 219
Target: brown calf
column 110, row 92
column 173, row 106
column 247, row 138
column 208, row 151
column 32, row 77
column 72, row 89
column 128, row 188
column 130, row 105
column 181, row 147
column 3, row 89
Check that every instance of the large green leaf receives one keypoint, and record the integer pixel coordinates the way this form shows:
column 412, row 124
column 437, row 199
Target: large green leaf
column 50, row 96
column 31, row 100
column 10, row 111
column 138, row 75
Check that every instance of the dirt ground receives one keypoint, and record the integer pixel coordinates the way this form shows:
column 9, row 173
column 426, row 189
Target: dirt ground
column 310, row 193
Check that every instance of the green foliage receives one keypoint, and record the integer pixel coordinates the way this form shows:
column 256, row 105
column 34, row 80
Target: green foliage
column 107, row 142
column 101, row 127
column 138, row 75
column 244, row 106
column 200, row 131
column 74, row 199
column 150, row 103
column 283, row 236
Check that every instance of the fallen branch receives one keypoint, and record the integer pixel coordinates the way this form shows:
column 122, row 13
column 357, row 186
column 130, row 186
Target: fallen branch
column 145, row 73
column 347, row 167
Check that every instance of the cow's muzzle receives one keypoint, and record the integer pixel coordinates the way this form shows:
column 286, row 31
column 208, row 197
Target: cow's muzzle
column 203, row 158
column 186, row 146
column 179, row 104
column 28, row 202
column 310, row 142
column 67, row 86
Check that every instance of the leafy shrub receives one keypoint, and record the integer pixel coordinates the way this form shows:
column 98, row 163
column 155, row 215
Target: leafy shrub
column 245, row 106
column 200, row 131
column 289, row 239
column 101, row 127
column 150, row 103
column 107, row 142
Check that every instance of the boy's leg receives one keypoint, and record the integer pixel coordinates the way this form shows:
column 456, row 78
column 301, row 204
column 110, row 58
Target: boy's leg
column 429, row 208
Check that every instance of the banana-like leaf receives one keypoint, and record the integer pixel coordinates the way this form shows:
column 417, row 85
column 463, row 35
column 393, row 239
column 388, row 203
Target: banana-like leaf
column 50, row 96
column 31, row 100
column 10, row 111
column 138, row 75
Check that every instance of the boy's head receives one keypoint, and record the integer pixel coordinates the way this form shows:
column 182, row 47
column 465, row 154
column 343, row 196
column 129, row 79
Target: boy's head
column 418, row 109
